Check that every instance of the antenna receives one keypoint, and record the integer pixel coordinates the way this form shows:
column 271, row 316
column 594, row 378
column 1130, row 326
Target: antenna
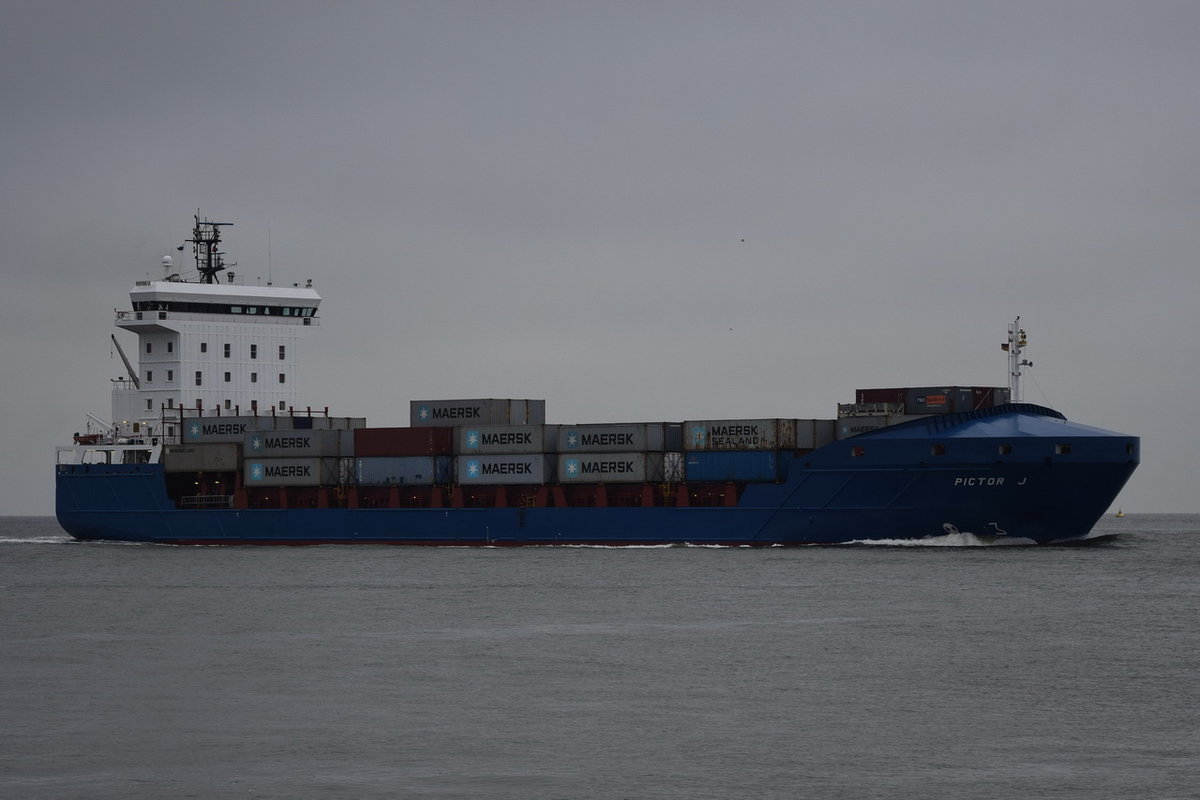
column 1014, row 347
column 206, row 236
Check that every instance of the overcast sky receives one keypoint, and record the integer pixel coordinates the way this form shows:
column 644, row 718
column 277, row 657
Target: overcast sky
column 636, row 211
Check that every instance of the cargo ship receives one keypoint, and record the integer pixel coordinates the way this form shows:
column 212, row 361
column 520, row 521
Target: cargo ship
column 209, row 445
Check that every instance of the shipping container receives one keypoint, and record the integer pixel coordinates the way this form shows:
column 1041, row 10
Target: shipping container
column 889, row 396
column 853, row 426
column 477, row 412
column 739, row 434
column 235, row 429
column 610, row 467
column 297, row 443
column 673, row 436
column 930, row 400
column 739, row 465
column 201, row 457
column 291, row 471
column 673, row 467
column 505, row 439
column 615, row 438
column 404, row 470
column 814, row 433
column 428, row 441
column 503, row 469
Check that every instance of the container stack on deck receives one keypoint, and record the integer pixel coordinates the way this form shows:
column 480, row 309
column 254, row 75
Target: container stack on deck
column 501, row 452
column 879, row 408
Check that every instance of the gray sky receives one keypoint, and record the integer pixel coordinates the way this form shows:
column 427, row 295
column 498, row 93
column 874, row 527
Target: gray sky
column 635, row 211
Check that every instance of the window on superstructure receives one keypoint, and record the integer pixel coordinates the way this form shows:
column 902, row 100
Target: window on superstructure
column 283, row 405
column 149, row 376
column 228, row 404
column 204, row 347
column 199, row 382
column 228, row 377
column 170, row 375
column 254, row 405
column 170, row 402
column 254, row 377
column 228, row 350
column 282, row 378
column 282, row 352
column 149, row 347
column 170, row 347
column 149, row 404
column 254, row 351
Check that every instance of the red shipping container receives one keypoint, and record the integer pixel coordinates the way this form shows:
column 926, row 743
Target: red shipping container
column 429, row 441
column 894, row 396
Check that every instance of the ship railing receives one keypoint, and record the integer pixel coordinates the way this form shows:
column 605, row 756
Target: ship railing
column 207, row 500
column 869, row 409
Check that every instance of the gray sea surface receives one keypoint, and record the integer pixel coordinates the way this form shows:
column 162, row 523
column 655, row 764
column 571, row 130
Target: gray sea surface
column 150, row 671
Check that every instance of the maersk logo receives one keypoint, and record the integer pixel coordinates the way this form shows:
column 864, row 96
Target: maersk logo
column 699, row 436
column 571, row 467
column 472, row 469
column 259, row 471
column 426, row 413
column 572, row 440
column 281, row 443
column 472, row 439
column 196, row 429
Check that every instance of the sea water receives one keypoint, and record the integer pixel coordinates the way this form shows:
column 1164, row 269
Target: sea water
column 131, row 671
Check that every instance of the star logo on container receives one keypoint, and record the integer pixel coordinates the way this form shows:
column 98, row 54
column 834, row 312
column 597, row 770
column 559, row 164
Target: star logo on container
column 572, row 439
column 194, row 430
column 472, row 469
column 572, row 467
column 256, row 443
column 256, row 472
column 698, row 436
column 423, row 413
column 472, row 438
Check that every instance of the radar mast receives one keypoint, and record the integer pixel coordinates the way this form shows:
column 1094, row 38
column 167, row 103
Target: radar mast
column 205, row 241
column 1014, row 347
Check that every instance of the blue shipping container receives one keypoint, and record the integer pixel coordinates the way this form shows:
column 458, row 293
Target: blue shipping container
column 731, row 465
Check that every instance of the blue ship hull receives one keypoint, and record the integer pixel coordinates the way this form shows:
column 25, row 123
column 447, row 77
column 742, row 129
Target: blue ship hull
column 1016, row 472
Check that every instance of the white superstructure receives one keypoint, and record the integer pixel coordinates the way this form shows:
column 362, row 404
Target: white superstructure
column 216, row 348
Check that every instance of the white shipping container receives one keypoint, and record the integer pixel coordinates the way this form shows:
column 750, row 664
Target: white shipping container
column 504, row 439
column 219, row 457
column 297, row 443
column 505, row 469
column 616, row 438
column 291, row 471
column 610, row 467
column 487, row 411
column 739, row 434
